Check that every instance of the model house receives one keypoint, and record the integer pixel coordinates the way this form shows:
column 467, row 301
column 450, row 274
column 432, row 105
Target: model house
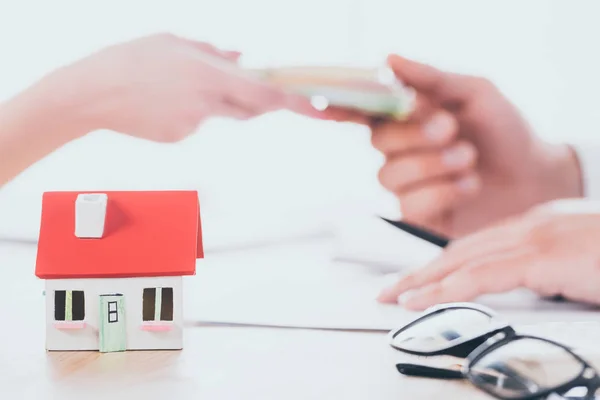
column 113, row 265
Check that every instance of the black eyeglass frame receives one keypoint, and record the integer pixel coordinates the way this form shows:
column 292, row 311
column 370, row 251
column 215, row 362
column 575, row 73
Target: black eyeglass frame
column 458, row 348
column 588, row 376
column 473, row 349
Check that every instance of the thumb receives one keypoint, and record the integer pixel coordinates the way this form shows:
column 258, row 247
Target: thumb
column 441, row 85
column 231, row 55
column 208, row 48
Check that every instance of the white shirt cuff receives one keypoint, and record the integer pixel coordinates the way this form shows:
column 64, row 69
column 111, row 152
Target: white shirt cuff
column 589, row 160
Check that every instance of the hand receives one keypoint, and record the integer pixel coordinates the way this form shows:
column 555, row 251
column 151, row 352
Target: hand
column 552, row 250
column 466, row 157
column 162, row 87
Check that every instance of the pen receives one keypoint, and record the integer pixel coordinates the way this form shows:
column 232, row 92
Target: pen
column 419, row 232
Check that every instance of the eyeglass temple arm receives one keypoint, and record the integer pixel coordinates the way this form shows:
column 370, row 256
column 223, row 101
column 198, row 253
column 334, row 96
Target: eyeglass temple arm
column 425, row 371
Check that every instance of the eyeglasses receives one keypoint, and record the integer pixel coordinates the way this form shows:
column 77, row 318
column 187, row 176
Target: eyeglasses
column 494, row 357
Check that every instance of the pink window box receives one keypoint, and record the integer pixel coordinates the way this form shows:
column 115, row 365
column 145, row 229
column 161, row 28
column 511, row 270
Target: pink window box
column 69, row 324
column 156, row 326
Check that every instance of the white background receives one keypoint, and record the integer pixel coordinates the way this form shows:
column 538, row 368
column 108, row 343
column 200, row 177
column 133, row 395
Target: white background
column 283, row 171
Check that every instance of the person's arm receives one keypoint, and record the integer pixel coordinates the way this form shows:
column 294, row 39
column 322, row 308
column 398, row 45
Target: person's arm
column 34, row 123
column 160, row 88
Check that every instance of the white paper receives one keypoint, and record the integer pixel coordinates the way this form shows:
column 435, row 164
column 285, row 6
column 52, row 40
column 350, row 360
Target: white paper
column 299, row 286
column 373, row 242
column 295, row 286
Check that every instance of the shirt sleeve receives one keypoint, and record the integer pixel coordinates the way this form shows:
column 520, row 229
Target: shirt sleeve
column 589, row 161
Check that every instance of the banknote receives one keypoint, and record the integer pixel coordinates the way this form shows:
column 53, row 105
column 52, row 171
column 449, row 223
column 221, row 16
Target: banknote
column 374, row 91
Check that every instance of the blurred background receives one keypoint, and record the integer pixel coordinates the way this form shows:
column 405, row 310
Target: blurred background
column 284, row 175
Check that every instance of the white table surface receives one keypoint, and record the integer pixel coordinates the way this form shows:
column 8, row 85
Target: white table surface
column 218, row 362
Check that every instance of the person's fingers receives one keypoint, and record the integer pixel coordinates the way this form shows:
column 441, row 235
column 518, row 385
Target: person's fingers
column 434, row 199
column 440, row 127
column 498, row 273
column 187, row 123
column 421, row 110
column 391, row 137
column 505, row 238
column 448, row 262
column 301, row 105
column 417, row 279
column 232, row 84
column 425, row 207
column 248, row 92
column 228, row 55
column 231, row 55
column 227, row 109
column 404, row 173
column 443, row 86
column 339, row 114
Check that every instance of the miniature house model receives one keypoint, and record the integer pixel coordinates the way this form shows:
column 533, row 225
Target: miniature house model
column 113, row 265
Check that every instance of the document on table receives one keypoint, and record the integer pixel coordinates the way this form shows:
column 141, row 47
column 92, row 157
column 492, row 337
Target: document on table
column 300, row 286
column 289, row 286
column 372, row 241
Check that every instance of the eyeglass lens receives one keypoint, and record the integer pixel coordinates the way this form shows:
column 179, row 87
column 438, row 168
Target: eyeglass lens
column 525, row 367
column 440, row 330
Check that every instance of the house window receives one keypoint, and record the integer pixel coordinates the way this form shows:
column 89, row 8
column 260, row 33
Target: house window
column 69, row 305
column 113, row 316
column 157, row 304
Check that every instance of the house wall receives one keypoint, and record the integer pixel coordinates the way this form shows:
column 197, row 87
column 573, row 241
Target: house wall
column 87, row 338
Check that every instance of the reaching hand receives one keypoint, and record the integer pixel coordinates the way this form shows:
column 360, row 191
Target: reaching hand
column 466, row 158
column 551, row 249
column 162, row 87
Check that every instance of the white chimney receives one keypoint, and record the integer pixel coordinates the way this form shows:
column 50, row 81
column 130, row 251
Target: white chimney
column 90, row 215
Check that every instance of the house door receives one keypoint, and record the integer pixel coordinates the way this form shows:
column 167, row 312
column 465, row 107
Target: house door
column 113, row 335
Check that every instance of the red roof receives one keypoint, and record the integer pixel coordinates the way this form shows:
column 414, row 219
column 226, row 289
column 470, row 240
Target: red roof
column 147, row 233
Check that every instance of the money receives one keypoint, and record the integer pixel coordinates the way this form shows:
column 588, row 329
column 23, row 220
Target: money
column 374, row 91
